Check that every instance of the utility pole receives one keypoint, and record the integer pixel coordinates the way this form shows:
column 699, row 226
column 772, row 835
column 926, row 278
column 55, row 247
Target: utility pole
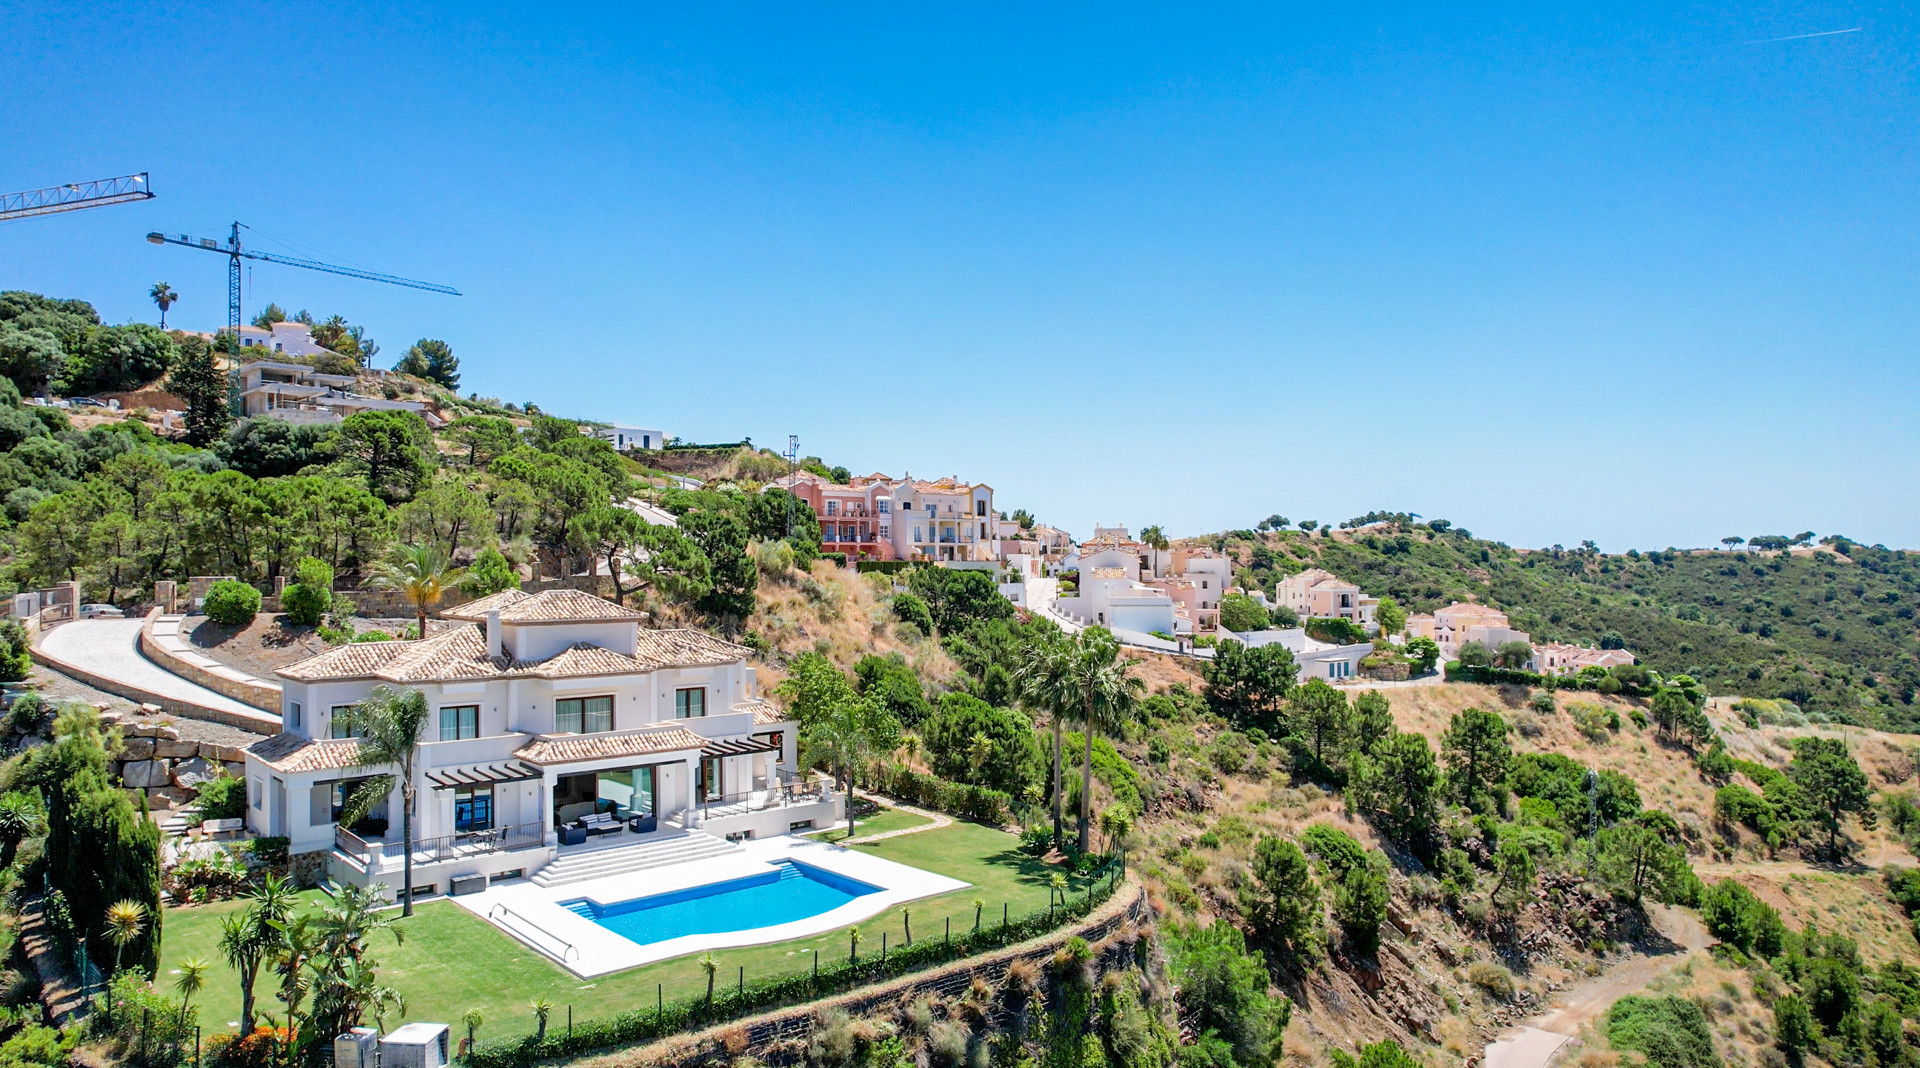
column 793, row 461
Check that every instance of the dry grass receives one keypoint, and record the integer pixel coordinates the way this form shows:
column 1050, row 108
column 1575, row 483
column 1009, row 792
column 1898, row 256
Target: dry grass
column 1855, row 905
column 844, row 615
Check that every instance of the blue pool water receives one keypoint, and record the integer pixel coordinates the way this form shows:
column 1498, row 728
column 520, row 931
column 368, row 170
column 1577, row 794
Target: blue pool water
column 791, row 891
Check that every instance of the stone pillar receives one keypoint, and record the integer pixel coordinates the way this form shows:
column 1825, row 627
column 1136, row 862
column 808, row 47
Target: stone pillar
column 693, row 797
column 165, row 592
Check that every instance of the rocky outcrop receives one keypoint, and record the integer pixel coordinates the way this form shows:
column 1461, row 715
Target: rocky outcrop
column 166, row 767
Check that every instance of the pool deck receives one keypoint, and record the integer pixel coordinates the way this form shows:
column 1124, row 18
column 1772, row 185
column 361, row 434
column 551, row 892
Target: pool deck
column 534, row 916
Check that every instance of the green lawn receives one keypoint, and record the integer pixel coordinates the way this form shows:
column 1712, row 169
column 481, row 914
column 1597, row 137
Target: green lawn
column 887, row 819
column 452, row 960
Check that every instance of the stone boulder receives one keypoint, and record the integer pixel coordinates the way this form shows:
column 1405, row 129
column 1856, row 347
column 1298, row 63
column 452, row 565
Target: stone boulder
column 233, row 754
column 141, row 774
column 137, row 749
column 175, row 750
column 191, row 773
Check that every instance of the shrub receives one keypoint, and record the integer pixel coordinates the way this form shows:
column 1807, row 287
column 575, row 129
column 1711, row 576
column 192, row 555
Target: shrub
column 232, row 603
column 1360, row 903
column 15, row 662
column 1338, row 849
column 909, row 608
column 1492, row 978
column 1671, row 1032
column 976, row 803
column 1542, row 702
column 223, row 797
column 1597, row 722
column 28, row 715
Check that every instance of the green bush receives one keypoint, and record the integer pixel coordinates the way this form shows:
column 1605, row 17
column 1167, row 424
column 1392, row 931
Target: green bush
column 28, row 714
column 908, row 608
column 15, row 662
column 1336, row 631
column 976, row 803
column 232, row 603
column 223, row 797
column 1336, row 848
column 1671, row 1032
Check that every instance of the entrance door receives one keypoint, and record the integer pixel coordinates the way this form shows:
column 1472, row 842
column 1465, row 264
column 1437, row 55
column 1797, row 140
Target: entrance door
column 709, row 788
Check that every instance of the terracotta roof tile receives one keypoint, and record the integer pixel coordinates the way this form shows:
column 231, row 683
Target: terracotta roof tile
column 293, row 753
column 764, row 714
column 567, row 748
column 548, row 606
column 686, row 647
column 582, row 659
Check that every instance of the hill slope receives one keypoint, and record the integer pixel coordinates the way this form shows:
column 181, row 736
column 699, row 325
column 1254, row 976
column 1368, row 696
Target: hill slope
column 1832, row 629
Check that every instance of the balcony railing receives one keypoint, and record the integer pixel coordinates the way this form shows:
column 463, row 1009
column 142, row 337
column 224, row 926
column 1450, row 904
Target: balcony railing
column 785, row 792
column 370, row 854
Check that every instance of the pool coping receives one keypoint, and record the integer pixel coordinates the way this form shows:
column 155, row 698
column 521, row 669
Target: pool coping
column 533, row 915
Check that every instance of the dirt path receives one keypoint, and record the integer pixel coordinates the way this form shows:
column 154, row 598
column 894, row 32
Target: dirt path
column 1533, row 1043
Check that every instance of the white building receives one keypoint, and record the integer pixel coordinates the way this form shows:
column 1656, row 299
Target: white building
column 300, row 394
column 1312, row 659
column 628, row 437
column 1110, row 594
column 549, row 712
column 284, row 339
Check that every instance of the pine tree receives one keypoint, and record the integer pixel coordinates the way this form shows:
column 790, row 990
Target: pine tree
column 197, row 379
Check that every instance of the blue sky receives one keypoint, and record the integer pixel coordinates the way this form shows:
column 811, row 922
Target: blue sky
column 1609, row 273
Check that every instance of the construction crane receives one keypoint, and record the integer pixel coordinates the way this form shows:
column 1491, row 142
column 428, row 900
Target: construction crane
column 235, row 254
column 95, row 194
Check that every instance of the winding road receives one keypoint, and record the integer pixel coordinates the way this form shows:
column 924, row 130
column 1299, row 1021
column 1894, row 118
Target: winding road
column 1533, row 1043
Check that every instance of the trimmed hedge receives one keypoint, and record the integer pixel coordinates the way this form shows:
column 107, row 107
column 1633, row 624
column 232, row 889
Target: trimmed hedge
column 838, row 558
column 647, row 1025
column 885, row 567
column 976, row 803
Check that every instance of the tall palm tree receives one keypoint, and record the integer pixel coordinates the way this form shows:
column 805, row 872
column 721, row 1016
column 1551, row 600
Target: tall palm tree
column 164, row 296
column 126, row 921
column 1042, row 675
column 711, row 966
column 421, row 573
column 388, row 724
column 1108, row 693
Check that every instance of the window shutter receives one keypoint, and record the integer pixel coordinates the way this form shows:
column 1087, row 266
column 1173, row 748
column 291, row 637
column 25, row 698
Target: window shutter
column 320, row 804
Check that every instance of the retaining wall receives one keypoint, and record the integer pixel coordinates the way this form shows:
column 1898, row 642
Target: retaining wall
column 215, row 676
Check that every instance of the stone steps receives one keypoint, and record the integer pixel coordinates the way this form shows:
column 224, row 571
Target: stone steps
column 620, row 860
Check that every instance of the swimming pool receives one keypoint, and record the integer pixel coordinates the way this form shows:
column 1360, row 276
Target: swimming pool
column 790, row 891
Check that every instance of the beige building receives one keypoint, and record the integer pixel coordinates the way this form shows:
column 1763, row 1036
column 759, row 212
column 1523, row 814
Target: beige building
column 1318, row 594
column 1462, row 622
column 876, row 517
column 1561, row 658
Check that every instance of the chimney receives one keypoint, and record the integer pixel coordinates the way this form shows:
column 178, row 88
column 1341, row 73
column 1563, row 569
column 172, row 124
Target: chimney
column 493, row 634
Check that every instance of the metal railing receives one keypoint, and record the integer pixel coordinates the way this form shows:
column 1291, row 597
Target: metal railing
column 784, row 792
column 444, row 847
column 499, row 914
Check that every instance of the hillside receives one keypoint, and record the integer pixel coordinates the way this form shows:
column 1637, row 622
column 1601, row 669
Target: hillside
column 1831, row 630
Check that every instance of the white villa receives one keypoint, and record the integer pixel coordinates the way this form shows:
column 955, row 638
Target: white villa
column 300, row 394
column 559, row 725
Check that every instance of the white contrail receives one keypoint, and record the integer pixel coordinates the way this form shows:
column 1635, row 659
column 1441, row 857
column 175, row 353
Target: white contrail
column 1804, row 36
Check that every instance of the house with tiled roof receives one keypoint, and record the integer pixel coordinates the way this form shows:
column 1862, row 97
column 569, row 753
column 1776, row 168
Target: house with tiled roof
column 1462, row 622
column 551, row 715
column 875, row 517
column 1319, row 594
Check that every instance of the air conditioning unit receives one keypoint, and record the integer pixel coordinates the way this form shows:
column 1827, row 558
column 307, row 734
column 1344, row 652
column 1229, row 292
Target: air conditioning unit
column 358, row 1048
column 416, row 1045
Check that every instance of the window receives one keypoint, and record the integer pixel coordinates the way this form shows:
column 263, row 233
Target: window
column 979, row 508
column 583, row 715
column 459, row 721
column 253, row 792
column 690, row 703
column 293, row 716
column 833, row 507
column 472, row 808
column 886, row 506
column 338, row 727
column 916, row 534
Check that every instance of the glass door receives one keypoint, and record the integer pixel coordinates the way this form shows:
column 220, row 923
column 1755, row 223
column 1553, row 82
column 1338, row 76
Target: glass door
column 709, row 786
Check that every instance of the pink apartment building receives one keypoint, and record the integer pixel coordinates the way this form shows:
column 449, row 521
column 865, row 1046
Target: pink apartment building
column 877, row 517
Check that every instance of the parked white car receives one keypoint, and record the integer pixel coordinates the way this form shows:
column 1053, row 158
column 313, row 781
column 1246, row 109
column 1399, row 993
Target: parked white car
column 100, row 611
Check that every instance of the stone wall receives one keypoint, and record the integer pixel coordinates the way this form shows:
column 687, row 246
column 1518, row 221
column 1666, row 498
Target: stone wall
column 259, row 693
column 166, row 767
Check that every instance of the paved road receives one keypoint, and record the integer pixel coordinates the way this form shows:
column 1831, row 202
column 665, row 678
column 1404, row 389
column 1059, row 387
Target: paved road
column 110, row 648
column 1532, row 1044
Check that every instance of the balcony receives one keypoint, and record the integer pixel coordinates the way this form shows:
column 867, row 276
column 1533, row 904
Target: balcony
column 377, row 855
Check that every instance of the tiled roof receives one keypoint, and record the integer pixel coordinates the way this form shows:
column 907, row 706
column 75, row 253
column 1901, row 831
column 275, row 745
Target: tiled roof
column 293, row 753
column 582, row 659
column 460, row 655
column 547, row 606
column 686, row 647
column 567, row 748
column 764, row 714
column 1465, row 608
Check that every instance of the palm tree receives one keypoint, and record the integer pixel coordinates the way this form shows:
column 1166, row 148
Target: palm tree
column 710, row 965
column 126, row 921
column 542, row 1008
column 853, row 728
column 979, row 903
column 421, row 573
column 163, row 296
column 388, row 724
column 193, row 977
column 473, row 1019
column 20, row 819
column 247, row 939
column 1041, row 675
column 1108, row 693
